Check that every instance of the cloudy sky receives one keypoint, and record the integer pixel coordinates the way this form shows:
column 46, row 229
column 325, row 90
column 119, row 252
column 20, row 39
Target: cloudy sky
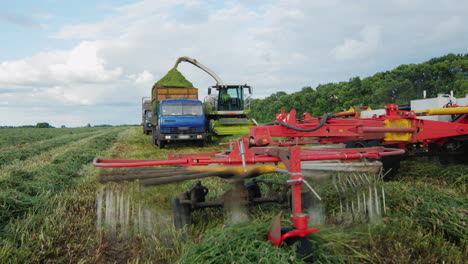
column 90, row 61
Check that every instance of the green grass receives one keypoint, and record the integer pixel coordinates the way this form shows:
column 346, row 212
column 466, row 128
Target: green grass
column 174, row 78
column 33, row 205
column 17, row 137
column 24, row 152
column 48, row 215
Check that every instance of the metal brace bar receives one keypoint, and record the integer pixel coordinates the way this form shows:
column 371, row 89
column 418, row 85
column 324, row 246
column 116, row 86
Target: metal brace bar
column 308, row 185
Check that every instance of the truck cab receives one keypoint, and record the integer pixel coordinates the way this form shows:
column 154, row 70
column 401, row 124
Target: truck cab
column 147, row 125
column 179, row 119
column 229, row 97
column 146, row 115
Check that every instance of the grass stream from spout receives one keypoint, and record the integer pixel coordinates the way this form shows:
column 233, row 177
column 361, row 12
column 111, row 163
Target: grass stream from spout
column 54, row 211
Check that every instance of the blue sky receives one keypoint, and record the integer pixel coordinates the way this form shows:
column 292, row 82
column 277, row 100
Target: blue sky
column 80, row 62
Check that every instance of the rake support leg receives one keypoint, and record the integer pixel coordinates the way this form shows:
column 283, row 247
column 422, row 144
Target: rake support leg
column 292, row 159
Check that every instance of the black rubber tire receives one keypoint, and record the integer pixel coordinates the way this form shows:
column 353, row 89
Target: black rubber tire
column 181, row 213
column 161, row 143
column 391, row 165
column 154, row 135
column 447, row 157
column 303, row 246
column 358, row 144
column 201, row 143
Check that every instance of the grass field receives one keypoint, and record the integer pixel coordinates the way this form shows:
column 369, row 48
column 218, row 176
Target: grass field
column 49, row 196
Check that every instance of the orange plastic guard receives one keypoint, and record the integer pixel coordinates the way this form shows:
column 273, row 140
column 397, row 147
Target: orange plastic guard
column 275, row 231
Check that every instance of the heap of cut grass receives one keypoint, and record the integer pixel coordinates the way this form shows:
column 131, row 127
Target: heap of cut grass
column 25, row 152
column 14, row 138
column 453, row 177
column 173, row 78
column 39, row 207
column 441, row 211
column 23, row 190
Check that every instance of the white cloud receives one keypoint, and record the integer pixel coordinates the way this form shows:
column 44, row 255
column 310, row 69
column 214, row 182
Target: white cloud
column 80, row 64
column 274, row 45
column 353, row 49
column 145, row 78
column 83, row 64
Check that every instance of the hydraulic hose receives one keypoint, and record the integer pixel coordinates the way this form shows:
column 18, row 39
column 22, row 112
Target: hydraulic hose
column 321, row 124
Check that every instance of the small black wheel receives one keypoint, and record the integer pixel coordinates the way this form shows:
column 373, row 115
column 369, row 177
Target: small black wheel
column 303, row 246
column 181, row 213
column 391, row 165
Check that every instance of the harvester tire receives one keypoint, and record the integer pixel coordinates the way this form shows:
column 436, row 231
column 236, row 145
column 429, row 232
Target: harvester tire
column 181, row 213
column 302, row 244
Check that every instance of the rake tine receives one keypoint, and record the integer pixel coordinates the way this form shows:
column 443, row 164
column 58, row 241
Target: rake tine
column 383, row 201
column 364, row 202
column 363, row 181
column 334, row 183
column 350, row 182
column 356, row 178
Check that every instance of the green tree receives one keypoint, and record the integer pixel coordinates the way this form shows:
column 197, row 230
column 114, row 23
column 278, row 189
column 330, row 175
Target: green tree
column 43, row 125
column 400, row 85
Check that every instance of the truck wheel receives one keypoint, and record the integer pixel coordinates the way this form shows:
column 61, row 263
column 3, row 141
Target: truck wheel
column 161, row 143
column 181, row 213
column 201, row 143
column 154, row 136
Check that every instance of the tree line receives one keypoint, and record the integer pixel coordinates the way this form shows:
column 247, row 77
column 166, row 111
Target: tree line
column 400, row 85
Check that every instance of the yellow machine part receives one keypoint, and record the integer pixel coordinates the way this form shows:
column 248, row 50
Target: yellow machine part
column 442, row 111
column 261, row 169
column 397, row 136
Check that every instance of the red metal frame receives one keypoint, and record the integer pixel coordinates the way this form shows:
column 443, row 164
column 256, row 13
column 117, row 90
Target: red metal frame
column 263, row 146
column 339, row 130
column 291, row 157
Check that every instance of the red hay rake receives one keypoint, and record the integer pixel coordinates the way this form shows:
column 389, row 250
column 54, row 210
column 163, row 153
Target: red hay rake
column 276, row 147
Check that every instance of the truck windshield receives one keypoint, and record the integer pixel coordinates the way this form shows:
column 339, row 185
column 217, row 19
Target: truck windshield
column 173, row 109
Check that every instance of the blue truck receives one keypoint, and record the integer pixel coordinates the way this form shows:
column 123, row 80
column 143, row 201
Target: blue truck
column 179, row 119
